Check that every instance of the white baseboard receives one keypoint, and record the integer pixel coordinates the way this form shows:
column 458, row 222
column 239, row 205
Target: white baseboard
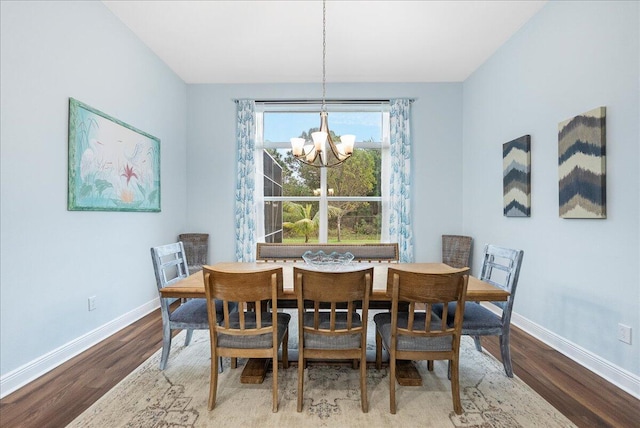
column 19, row 377
column 618, row 376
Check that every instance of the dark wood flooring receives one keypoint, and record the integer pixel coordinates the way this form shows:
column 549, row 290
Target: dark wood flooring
column 59, row 396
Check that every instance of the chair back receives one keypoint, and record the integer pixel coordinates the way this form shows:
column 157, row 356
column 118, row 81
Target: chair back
column 170, row 266
column 456, row 250
column 196, row 247
column 380, row 252
column 251, row 289
column 501, row 268
column 337, row 290
column 423, row 290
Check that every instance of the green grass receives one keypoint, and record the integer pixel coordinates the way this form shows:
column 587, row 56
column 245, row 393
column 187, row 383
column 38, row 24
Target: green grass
column 363, row 240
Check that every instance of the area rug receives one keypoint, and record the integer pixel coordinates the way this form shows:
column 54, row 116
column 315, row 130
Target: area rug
column 177, row 396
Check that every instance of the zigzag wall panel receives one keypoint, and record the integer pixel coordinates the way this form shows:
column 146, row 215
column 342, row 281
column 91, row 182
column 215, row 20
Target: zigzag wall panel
column 516, row 179
column 582, row 165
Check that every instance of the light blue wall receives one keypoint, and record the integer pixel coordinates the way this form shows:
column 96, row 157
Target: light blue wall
column 580, row 278
column 53, row 259
column 436, row 153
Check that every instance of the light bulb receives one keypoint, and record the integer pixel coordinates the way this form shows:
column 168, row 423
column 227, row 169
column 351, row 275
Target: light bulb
column 347, row 142
column 296, row 146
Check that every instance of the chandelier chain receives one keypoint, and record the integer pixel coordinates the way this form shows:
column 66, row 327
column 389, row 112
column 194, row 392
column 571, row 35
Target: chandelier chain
column 324, row 152
column 324, row 53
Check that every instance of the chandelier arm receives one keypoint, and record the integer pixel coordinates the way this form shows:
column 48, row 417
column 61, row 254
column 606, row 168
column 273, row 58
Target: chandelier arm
column 315, row 165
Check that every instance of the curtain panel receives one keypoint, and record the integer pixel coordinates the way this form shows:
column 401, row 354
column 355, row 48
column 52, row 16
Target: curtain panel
column 245, row 206
column 400, row 228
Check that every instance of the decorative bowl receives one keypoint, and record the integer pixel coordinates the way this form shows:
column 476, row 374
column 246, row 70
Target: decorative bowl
column 333, row 261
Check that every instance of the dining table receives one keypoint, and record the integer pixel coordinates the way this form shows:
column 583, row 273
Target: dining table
column 255, row 369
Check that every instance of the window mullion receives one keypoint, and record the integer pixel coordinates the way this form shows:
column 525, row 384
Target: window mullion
column 323, row 229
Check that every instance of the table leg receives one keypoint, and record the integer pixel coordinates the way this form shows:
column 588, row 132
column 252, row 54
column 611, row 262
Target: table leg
column 255, row 370
column 407, row 374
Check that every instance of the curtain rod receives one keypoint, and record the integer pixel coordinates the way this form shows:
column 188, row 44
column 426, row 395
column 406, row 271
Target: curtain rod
column 318, row 101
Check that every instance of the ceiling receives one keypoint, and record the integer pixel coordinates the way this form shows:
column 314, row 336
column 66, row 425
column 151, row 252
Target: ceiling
column 366, row 41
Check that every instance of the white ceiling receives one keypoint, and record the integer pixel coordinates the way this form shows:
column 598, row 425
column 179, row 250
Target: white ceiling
column 281, row 41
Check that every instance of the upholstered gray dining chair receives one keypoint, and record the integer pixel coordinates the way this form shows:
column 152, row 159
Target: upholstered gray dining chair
column 257, row 333
column 456, row 250
column 333, row 333
column 417, row 334
column 170, row 266
column 501, row 268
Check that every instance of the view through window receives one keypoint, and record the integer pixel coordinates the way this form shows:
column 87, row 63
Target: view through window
column 326, row 205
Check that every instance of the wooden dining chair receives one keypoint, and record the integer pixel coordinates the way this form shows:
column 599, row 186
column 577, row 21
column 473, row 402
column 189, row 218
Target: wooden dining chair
column 500, row 268
column 456, row 250
column 418, row 334
column 196, row 246
column 170, row 266
column 333, row 333
column 246, row 333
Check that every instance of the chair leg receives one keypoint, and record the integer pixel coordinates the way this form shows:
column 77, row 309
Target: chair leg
column 392, row 383
column 476, row 340
column 430, row 365
column 187, row 339
column 455, row 386
column 505, row 351
column 274, row 386
column 166, row 347
column 213, row 383
column 220, row 369
column 234, row 363
column 378, row 351
column 300, row 377
column 363, row 382
column 285, row 351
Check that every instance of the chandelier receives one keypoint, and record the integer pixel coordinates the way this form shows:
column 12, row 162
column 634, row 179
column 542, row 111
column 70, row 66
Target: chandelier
column 322, row 151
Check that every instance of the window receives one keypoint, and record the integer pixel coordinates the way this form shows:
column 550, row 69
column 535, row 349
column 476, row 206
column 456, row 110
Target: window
column 307, row 204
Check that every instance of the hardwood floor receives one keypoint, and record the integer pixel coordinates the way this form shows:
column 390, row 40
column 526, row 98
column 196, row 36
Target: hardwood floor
column 56, row 398
column 582, row 396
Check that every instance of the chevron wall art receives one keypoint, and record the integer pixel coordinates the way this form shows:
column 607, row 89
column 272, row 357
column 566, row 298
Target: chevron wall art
column 581, row 165
column 516, row 178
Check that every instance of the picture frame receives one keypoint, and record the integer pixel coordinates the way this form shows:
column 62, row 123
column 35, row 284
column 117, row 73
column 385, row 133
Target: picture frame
column 516, row 177
column 112, row 165
column 582, row 174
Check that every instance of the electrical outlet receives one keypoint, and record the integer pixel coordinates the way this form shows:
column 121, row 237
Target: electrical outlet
column 92, row 303
column 624, row 333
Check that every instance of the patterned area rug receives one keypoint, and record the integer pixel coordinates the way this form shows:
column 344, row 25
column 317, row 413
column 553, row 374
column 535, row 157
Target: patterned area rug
column 177, row 396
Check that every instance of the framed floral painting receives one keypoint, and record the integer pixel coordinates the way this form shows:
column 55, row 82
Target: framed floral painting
column 112, row 166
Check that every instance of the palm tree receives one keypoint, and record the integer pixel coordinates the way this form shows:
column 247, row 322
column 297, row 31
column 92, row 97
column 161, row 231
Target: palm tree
column 298, row 219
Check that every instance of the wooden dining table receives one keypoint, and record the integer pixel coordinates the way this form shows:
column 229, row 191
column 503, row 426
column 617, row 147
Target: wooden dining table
column 193, row 287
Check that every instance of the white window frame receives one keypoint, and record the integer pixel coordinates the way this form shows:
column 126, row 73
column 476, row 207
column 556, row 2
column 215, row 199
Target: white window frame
column 323, row 199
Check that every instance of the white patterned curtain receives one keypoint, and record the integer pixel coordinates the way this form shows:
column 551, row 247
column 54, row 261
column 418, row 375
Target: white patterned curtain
column 245, row 208
column 400, row 229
